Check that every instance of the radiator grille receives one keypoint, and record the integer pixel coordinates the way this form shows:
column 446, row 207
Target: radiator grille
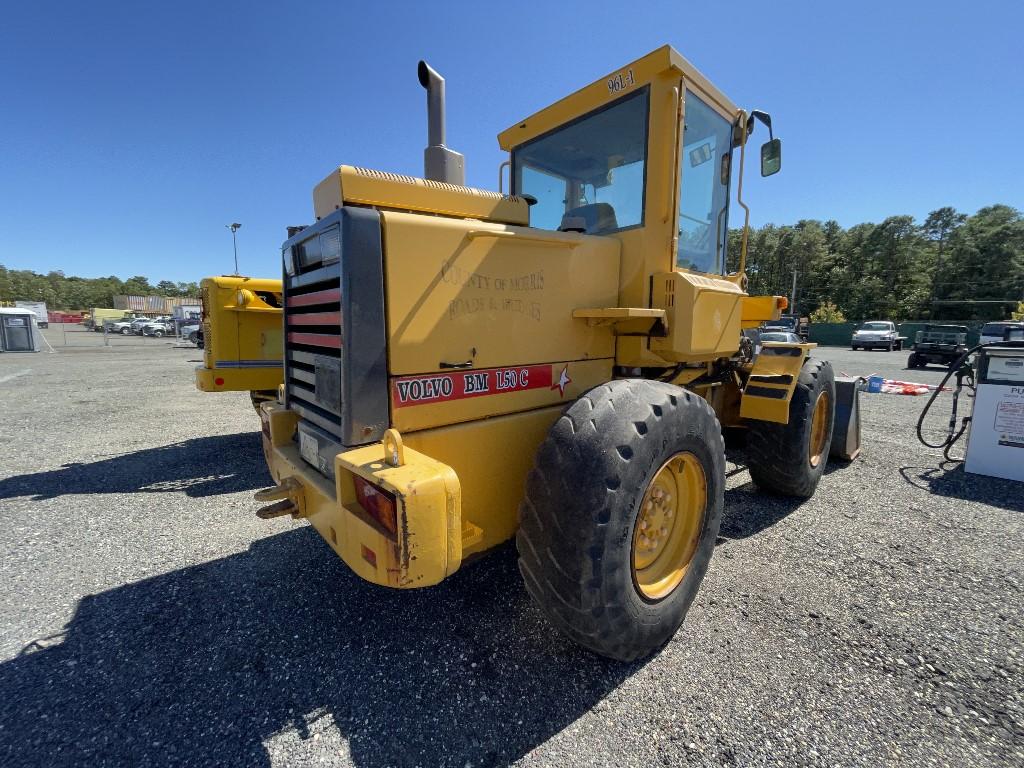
column 314, row 340
column 335, row 375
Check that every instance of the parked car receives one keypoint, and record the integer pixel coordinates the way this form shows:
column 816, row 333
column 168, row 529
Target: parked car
column 158, row 329
column 781, row 336
column 123, row 327
column 877, row 334
column 997, row 331
column 191, row 331
column 942, row 344
column 138, row 323
column 801, row 326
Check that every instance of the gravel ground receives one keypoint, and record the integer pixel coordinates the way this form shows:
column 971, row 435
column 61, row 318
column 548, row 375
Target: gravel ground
column 148, row 618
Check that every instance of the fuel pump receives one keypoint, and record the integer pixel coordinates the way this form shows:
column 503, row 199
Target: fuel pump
column 995, row 444
column 995, row 427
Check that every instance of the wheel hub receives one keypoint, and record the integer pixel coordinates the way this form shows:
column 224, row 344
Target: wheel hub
column 819, row 428
column 668, row 525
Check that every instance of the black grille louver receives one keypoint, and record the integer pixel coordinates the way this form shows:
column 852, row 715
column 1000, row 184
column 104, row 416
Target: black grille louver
column 335, row 369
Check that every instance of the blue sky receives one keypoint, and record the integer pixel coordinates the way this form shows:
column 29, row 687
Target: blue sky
column 133, row 132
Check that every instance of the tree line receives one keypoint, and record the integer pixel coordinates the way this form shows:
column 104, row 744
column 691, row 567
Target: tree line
column 62, row 292
column 950, row 267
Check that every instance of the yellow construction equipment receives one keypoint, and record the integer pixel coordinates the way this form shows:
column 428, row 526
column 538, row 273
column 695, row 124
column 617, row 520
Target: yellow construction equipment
column 555, row 365
column 242, row 348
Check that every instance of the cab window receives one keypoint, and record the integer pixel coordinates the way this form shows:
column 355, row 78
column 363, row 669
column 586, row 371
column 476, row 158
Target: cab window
column 705, row 170
column 588, row 175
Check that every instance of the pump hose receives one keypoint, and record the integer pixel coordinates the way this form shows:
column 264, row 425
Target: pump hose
column 956, row 369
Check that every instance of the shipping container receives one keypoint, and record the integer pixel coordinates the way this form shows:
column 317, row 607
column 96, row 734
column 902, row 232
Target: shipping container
column 58, row 316
column 38, row 309
column 170, row 302
column 147, row 305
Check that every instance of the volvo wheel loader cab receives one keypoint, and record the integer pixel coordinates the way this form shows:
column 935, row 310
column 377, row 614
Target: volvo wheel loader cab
column 242, row 345
column 462, row 366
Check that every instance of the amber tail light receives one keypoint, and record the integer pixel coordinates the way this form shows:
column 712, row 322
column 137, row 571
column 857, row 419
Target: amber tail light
column 377, row 503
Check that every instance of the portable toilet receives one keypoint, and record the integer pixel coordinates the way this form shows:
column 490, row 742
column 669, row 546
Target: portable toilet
column 19, row 331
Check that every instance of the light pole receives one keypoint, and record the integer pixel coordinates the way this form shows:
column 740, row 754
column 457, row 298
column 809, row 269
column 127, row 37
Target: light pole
column 234, row 241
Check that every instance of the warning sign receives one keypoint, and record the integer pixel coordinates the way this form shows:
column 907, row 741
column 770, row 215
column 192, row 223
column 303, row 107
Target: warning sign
column 1009, row 423
column 434, row 388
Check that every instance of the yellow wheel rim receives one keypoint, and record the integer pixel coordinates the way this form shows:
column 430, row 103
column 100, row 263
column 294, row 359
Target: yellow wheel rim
column 668, row 525
column 819, row 429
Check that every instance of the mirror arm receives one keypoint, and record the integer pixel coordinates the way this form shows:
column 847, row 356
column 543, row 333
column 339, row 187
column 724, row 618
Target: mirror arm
column 765, row 119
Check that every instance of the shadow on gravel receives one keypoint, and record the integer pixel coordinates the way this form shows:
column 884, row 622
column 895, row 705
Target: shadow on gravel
column 204, row 466
column 205, row 665
column 748, row 510
column 952, row 481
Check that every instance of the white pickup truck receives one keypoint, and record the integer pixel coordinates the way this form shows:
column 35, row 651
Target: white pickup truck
column 877, row 334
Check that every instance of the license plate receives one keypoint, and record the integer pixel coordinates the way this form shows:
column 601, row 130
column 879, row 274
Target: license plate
column 309, row 448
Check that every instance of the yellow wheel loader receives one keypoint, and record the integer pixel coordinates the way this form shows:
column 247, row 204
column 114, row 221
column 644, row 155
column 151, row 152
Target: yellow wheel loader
column 557, row 364
column 241, row 337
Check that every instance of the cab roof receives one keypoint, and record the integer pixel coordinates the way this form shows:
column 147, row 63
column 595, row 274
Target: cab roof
column 620, row 82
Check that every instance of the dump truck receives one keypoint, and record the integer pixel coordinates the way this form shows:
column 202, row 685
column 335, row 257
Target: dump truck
column 554, row 365
column 242, row 347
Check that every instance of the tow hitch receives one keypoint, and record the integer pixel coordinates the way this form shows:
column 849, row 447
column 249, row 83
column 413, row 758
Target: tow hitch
column 287, row 498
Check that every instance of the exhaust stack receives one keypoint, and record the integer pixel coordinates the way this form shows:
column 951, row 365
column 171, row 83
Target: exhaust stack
column 439, row 162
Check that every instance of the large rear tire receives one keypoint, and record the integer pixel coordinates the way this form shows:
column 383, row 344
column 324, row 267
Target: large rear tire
column 621, row 513
column 790, row 458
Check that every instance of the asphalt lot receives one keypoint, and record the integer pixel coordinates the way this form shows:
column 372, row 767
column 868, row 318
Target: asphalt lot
column 148, row 618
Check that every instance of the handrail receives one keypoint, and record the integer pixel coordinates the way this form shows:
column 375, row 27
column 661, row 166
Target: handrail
column 501, row 176
column 739, row 194
column 676, row 176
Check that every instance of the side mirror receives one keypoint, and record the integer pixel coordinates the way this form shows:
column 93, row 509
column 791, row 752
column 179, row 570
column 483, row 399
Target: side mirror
column 771, row 157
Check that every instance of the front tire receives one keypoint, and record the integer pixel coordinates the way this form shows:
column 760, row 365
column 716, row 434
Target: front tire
column 790, row 458
column 621, row 513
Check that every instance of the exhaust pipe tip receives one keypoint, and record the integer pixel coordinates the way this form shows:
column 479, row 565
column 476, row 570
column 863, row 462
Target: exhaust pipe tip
column 439, row 162
column 424, row 72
